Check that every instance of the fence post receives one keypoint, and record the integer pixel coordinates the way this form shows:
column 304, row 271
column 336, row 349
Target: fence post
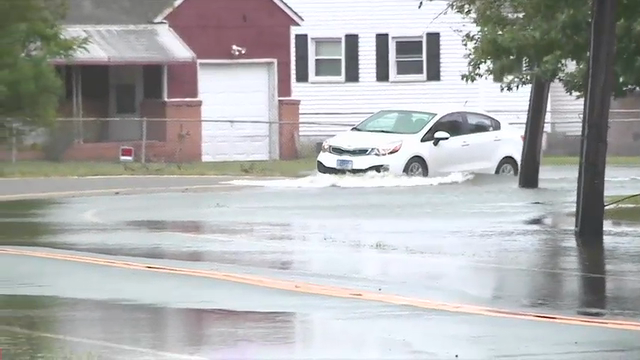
column 143, row 152
column 14, row 143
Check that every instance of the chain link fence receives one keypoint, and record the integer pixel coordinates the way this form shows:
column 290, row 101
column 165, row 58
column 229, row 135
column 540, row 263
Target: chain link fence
column 187, row 140
column 152, row 140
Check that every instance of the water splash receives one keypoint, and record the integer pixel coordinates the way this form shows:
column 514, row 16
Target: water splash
column 369, row 180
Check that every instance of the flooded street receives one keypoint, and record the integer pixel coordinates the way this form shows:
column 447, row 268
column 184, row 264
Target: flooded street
column 398, row 267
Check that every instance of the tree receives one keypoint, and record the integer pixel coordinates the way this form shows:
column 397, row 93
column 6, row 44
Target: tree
column 540, row 41
column 30, row 36
column 551, row 39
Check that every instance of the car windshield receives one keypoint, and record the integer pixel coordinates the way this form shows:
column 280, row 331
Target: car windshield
column 396, row 122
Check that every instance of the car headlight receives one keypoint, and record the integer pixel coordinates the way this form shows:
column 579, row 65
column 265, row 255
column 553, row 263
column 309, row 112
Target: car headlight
column 325, row 146
column 387, row 149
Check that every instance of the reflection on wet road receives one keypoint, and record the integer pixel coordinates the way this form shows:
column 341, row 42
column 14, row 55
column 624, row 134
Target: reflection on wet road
column 464, row 241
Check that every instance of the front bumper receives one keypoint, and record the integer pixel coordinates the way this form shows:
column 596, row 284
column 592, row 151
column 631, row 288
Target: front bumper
column 328, row 164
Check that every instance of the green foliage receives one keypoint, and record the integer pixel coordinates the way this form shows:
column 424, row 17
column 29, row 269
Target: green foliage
column 30, row 36
column 545, row 35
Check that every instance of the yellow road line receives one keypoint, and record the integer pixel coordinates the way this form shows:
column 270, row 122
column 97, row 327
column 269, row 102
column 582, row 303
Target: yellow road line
column 338, row 292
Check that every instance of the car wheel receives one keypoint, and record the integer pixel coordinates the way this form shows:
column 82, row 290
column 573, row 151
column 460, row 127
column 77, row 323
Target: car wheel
column 416, row 167
column 507, row 166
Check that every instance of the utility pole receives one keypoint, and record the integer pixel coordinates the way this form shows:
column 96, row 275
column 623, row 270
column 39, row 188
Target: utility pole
column 533, row 133
column 593, row 158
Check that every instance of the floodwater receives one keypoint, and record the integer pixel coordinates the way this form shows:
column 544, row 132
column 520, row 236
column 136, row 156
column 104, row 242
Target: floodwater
column 461, row 239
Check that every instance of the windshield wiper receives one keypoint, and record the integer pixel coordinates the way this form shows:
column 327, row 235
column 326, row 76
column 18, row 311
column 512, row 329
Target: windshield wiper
column 382, row 131
column 355, row 129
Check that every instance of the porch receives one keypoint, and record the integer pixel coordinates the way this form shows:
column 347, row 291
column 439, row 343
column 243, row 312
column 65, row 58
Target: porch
column 116, row 94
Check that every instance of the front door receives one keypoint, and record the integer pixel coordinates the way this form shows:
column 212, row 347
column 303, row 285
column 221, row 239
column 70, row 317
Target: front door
column 125, row 94
column 451, row 155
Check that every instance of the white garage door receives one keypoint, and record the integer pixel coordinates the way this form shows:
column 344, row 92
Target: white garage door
column 238, row 92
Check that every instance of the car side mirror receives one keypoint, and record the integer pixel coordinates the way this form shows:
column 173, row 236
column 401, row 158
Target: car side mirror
column 440, row 136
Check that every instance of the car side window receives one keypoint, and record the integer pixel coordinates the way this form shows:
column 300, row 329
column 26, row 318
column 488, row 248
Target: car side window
column 479, row 123
column 496, row 124
column 451, row 123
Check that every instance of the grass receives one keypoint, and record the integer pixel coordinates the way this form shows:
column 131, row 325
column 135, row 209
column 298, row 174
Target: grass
column 574, row 160
column 70, row 169
column 291, row 168
column 628, row 212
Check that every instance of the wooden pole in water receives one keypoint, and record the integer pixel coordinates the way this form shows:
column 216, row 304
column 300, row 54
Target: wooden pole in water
column 593, row 159
column 533, row 133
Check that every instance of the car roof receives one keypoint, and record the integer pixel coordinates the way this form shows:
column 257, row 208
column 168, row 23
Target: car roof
column 444, row 109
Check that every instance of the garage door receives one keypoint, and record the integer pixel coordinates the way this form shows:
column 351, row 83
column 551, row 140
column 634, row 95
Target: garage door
column 238, row 93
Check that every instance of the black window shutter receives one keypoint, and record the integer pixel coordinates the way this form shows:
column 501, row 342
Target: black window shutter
column 433, row 56
column 302, row 58
column 382, row 57
column 351, row 58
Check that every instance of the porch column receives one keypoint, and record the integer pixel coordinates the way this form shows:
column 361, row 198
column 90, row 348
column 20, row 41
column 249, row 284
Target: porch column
column 165, row 82
column 76, row 91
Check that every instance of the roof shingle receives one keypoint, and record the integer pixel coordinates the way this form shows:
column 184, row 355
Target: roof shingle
column 126, row 44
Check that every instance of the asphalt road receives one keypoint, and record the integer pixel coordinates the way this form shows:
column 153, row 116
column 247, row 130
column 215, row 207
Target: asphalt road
column 11, row 189
column 321, row 267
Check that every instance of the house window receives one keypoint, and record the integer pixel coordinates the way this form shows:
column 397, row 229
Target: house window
column 408, row 58
column 125, row 99
column 328, row 59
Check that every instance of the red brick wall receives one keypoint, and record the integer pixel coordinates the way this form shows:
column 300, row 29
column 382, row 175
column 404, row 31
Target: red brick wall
column 187, row 132
column 289, row 110
column 155, row 109
column 211, row 27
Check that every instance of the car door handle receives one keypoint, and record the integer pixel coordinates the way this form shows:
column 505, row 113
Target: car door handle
column 465, row 144
column 497, row 139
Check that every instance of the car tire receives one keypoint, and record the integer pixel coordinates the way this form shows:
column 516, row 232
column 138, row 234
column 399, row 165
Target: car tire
column 507, row 166
column 416, row 167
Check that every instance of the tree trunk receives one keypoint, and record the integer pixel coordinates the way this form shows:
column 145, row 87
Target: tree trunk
column 590, row 214
column 532, row 149
column 593, row 284
column 583, row 137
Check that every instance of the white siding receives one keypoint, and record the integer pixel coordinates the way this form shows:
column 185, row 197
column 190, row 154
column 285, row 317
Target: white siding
column 324, row 105
column 348, row 103
column 566, row 111
column 507, row 106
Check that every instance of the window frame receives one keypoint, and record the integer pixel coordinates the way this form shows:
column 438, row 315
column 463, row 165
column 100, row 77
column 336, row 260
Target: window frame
column 313, row 78
column 393, row 61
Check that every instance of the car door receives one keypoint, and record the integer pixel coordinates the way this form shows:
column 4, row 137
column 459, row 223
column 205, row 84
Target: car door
column 484, row 139
column 450, row 155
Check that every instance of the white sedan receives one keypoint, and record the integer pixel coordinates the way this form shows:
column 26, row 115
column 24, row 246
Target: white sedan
column 424, row 143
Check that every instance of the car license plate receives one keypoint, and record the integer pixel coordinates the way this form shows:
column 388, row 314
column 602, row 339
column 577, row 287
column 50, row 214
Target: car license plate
column 344, row 164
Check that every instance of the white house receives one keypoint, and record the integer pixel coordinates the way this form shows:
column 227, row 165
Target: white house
column 352, row 58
